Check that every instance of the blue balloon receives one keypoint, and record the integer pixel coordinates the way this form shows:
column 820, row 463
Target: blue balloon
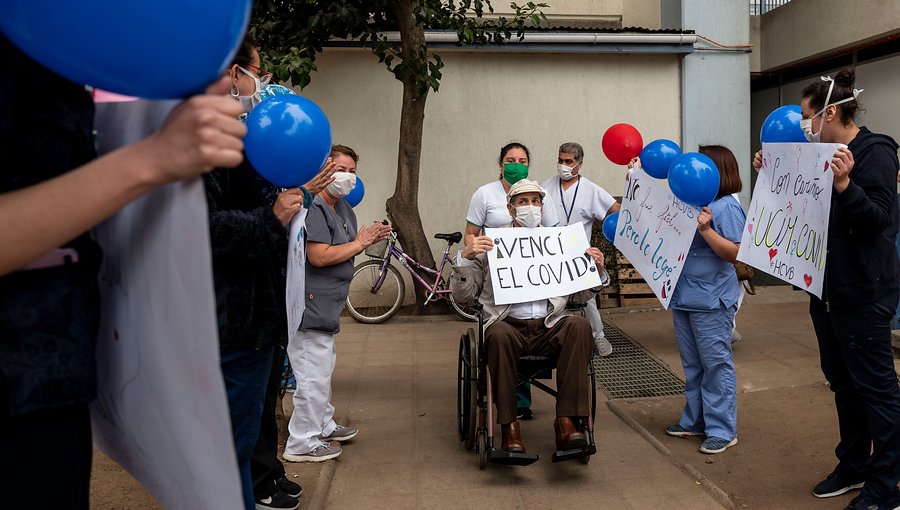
column 657, row 157
column 609, row 226
column 783, row 126
column 694, row 179
column 164, row 49
column 288, row 140
column 356, row 194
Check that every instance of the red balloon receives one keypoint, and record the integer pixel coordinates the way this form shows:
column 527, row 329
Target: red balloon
column 621, row 142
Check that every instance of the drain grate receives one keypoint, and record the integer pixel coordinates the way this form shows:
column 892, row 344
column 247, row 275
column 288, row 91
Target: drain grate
column 631, row 372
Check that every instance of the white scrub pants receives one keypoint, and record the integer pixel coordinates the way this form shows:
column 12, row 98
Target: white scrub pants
column 592, row 314
column 312, row 356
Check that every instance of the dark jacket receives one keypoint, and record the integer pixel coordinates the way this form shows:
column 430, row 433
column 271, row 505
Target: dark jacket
column 862, row 258
column 249, row 250
column 49, row 318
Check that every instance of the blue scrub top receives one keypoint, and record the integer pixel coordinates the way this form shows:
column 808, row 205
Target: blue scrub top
column 707, row 282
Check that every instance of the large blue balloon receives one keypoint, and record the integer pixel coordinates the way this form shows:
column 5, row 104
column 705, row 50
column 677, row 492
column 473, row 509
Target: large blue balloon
column 609, row 226
column 161, row 49
column 288, row 140
column 694, row 179
column 356, row 194
column 657, row 157
column 783, row 126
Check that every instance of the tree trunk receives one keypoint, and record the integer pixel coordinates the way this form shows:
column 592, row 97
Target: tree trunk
column 403, row 206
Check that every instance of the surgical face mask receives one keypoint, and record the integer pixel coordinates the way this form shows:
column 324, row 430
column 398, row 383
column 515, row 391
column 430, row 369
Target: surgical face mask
column 565, row 172
column 250, row 102
column 806, row 124
column 528, row 215
column 514, row 172
column 343, row 184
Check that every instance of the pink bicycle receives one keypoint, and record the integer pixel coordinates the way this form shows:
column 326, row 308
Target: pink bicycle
column 377, row 287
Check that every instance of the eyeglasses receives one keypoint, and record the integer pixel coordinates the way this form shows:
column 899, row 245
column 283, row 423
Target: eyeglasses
column 264, row 76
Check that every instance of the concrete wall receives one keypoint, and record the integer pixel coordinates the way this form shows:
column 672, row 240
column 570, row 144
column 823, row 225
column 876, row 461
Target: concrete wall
column 487, row 100
column 806, row 29
column 630, row 13
column 716, row 84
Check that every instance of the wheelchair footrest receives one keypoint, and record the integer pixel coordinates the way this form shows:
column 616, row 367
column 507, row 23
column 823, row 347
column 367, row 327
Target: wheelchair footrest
column 498, row 456
column 577, row 453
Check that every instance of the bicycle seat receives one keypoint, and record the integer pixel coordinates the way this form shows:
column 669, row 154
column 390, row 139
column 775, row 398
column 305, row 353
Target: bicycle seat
column 450, row 238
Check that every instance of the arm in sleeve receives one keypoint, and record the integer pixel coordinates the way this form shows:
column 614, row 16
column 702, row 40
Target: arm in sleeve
column 868, row 201
column 239, row 234
column 477, row 209
column 601, row 202
column 467, row 278
column 549, row 215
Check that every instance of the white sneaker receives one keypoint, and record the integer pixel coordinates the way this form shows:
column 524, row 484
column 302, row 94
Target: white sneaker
column 323, row 452
column 604, row 348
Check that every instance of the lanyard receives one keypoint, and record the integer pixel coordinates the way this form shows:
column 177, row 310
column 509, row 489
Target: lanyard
column 562, row 198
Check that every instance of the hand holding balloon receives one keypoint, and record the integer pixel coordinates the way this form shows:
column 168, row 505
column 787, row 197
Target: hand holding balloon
column 704, row 219
column 757, row 161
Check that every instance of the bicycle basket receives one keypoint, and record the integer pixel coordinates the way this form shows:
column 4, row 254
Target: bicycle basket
column 378, row 250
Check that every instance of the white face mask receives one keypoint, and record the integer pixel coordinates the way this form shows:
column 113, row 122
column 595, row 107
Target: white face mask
column 250, row 102
column 528, row 216
column 565, row 172
column 343, row 184
column 806, row 124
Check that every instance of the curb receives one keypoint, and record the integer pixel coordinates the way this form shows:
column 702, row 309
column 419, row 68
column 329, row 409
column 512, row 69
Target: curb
column 708, row 485
column 323, row 485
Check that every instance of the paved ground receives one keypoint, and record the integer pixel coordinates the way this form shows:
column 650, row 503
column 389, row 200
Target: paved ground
column 397, row 382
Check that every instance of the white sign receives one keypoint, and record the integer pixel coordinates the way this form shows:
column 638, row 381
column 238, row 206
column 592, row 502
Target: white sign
column 296, row 266
column 528, row 264
column 787, row 225
column 655, row 231
column 161, row 411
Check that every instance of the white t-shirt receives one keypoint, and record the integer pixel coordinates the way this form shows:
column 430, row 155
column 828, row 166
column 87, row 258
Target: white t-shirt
column 582, row 203
column 488, row 208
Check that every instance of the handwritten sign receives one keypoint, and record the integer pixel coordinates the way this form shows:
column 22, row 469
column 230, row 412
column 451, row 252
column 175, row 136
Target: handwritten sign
column 787, row 226
column 655, row 232
column 530, row 264
column 296, row 265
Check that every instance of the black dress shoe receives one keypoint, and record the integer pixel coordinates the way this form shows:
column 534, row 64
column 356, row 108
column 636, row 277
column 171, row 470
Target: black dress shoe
column 524, row 413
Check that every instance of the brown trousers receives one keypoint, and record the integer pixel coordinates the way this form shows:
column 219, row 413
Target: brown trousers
column 570, row 340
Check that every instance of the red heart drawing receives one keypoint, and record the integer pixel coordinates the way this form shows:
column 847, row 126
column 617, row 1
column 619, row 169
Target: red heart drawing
column 826, row 167
column 807, row 279
column 750, row 228
column 772, row 253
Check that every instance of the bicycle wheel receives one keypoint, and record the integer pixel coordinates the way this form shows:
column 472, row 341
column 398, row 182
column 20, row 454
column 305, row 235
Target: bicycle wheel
column 371, row 307
column 465, row 312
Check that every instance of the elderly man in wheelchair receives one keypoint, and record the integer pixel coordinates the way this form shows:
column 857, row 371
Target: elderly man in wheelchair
column 546, row 327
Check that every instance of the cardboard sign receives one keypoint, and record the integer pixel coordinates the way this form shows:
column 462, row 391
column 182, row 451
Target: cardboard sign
column 528, row 264
column 655, row 231
column 786, row 234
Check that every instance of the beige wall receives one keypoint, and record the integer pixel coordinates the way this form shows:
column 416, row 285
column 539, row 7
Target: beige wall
column 631, row 13
column 805, row 29
column 487, row 100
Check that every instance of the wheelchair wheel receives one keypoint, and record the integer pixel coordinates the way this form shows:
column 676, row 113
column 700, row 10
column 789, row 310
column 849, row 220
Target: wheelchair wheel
column 463, row 388
column 593, row 397
column 371, row 307
column 472, row 384
column 482, row 448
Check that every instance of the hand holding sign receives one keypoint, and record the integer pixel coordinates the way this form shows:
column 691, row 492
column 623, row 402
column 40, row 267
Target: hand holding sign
column 480, row 244
column 597, row 255
column 841, row 165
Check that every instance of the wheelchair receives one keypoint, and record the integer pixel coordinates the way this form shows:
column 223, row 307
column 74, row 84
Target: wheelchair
column 474, row 401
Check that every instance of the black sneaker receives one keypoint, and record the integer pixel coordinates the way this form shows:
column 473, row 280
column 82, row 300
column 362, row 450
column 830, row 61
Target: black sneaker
column 524, row 413
column 862, row 503
column 277, row 501
column 835, row 485
column 288, row 487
